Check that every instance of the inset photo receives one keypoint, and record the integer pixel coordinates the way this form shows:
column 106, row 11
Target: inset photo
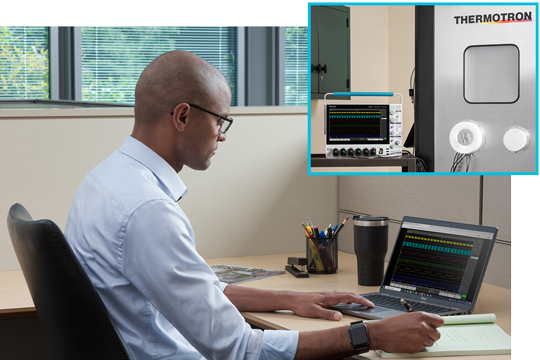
column 437, row 89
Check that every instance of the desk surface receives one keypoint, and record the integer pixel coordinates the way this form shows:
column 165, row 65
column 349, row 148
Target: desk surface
column 492, row 299
column 15, row 300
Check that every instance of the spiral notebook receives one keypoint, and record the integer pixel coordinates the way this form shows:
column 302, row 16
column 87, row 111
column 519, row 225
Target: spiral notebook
column 464, row 335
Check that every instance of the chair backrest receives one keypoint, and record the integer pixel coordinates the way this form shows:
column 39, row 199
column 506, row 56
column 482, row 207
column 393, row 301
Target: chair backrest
column 74, row 319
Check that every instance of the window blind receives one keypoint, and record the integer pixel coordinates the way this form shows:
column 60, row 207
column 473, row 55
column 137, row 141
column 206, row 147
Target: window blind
column 24, row 62
column 296, row 66
column 114, row 57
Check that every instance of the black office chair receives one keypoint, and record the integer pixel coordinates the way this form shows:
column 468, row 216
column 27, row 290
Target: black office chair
column 74, row 320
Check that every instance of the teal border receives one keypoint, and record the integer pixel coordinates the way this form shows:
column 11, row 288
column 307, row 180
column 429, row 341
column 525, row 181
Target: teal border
column 415, row 173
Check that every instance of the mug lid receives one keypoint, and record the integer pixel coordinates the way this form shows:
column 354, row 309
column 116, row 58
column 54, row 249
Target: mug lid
column 370, row 220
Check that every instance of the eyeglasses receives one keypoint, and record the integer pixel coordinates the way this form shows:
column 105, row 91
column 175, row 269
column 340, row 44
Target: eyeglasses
column 225, row 122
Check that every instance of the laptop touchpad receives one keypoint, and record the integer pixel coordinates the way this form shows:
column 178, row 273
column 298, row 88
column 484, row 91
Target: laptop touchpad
column 362, row 309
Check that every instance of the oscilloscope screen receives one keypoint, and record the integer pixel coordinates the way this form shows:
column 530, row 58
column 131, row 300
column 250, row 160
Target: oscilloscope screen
column 434, row 265
column 357, row 124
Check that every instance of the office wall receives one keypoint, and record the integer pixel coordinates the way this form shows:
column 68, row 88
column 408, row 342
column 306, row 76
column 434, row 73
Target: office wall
column 382, row 59
column 469, row 199
column 251, row 201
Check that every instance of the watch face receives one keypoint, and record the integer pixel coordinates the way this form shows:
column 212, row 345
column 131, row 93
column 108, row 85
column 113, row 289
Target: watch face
column 359, row 336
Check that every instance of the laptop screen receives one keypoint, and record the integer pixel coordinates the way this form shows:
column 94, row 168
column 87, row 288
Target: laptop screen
column 440, row 260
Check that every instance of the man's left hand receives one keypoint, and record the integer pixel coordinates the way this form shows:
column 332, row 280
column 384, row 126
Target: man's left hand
column 314, row 304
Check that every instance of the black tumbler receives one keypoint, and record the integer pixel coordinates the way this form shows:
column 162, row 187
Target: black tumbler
column 370, row 245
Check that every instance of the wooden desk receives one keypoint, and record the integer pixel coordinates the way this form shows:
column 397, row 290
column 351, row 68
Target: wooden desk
column 492, row 299
column 15, row 300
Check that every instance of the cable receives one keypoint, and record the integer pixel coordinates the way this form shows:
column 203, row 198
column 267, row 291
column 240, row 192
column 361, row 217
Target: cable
column 421, row 164
column 412, row 94
column 411, row 86
column 458, row 158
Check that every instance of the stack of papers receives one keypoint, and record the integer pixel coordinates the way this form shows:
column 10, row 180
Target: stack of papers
column 464, row 335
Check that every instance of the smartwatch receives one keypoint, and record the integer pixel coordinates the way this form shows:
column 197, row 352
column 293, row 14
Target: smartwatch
column 359, row 337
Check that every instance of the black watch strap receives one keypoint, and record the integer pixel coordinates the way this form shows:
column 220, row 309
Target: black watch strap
column 359, row 337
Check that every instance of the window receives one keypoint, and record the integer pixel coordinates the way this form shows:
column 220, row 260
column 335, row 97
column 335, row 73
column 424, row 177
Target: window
column 491, row 74
column 296, row 66
column 114, row 57
column 24, row 62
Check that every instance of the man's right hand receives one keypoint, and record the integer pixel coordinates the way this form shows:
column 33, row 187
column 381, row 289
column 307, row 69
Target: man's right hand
column 405, row 333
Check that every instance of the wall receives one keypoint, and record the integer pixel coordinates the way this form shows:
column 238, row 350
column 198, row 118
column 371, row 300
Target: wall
column 256, row 188
column 388, row 33
column 469, row 199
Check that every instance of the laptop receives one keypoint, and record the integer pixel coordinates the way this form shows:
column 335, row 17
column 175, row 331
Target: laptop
column 436, row 266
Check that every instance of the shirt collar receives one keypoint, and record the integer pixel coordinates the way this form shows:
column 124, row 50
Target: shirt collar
column 169, row 181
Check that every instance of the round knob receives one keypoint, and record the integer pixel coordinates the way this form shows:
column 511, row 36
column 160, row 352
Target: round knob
column 350, row 152
column 358, row 152
column 373, row 152
column 343, row 152
column 467, row 137
column 335, row 152
column 516, row 139
column 324, row 68
column 366, row 152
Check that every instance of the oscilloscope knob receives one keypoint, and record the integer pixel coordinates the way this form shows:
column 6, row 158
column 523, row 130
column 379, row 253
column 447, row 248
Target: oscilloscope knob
column 373, row 152
column 335, row 152
column 366, row 152
column 350, row 152
column 343, row 152
column 358, row 152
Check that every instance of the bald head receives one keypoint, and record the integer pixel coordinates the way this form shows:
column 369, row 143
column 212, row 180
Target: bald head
column 174, row 77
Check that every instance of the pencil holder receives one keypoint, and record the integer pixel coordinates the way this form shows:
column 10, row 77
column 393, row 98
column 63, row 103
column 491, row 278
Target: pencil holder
column 322, row 255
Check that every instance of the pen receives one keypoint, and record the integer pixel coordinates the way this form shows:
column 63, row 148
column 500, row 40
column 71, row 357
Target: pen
column 329, row 231
column 322, row 235
column 407, row 306
column 341, row 226
column 307, row 230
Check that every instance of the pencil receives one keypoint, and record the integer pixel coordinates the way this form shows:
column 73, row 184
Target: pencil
column 341, row 226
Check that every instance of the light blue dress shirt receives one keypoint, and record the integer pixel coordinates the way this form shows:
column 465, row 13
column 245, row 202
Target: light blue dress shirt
column 137, row 246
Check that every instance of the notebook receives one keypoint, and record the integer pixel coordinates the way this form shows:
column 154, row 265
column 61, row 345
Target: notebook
column 465, row 335
column 436, row 266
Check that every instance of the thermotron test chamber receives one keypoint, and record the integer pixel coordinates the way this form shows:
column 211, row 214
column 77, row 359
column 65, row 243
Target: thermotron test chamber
column 360, row 130
column 475, row 88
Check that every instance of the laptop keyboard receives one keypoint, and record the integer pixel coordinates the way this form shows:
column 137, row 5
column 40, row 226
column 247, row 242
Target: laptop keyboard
column 395, row 304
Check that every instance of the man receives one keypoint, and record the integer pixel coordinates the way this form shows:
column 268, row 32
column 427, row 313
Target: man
column 137, row 245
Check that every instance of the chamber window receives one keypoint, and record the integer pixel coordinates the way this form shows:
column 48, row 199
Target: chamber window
column 491, row 74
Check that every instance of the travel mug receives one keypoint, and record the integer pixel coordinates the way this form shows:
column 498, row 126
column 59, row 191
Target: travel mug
column 370, row 245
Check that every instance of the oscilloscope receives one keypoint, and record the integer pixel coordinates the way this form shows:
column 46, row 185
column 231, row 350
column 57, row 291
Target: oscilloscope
column 363, row 130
